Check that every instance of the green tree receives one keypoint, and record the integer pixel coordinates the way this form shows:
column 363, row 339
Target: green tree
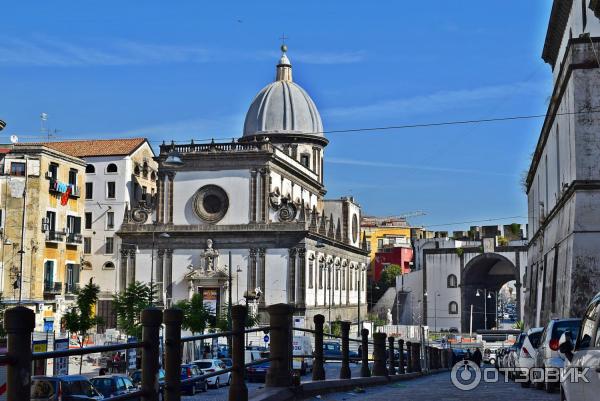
column 389, row 274
column 222, row 322
column 81, row 318
column 129, row 306
column 520, row 325
column 196, row 315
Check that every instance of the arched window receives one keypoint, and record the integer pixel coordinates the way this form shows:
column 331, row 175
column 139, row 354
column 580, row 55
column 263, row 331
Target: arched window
column 90, row 168
column 108, row 266
column 153, row 176
column 111, row 168
column 453, row 308
column 136, row 170
column 452, row 281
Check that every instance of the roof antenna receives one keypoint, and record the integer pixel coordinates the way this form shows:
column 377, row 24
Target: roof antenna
column 43, row 128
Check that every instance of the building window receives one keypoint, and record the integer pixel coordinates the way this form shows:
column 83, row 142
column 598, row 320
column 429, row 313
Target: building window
column 453, row 308
column 109, row 246
column 88, row 220
column 112, row 168
column 452, row 281
column 311, row 268
column 89, row 190
column 136, row 170
column 72, row 177
column 53, row 171
column 320, row 276
column 17, row 169
column 343, row 278
column 305, row 160
column 90, row 169
column 72, row 277
column 109, row 266
column 49, row 275
column 87, row 245
column 73, row 225
column 110, row 220
column 337, row 279
column 351, row 277
column 50, row 221
column 111, row 190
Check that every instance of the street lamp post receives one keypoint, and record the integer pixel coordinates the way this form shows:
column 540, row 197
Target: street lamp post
column 161, row 235
column 487, row 295
column 436, row 295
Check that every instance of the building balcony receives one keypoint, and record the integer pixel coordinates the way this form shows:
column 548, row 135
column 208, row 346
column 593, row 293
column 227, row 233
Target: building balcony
column 52, row 287
column 74, row 239
column 55, row 236
column 59, row 187
column 71, row 288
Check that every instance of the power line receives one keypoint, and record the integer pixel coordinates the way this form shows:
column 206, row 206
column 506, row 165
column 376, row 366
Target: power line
column 388, row 127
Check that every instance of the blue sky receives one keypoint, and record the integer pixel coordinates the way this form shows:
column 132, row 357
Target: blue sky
column 189, row 69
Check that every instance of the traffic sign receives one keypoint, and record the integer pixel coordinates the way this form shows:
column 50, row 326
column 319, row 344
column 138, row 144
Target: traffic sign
column 266, row 339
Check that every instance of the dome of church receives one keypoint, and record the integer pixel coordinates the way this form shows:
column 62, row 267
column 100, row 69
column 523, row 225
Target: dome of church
column 283, row 107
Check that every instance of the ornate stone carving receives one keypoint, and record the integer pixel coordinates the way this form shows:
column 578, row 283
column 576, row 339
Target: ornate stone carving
column 210, row 256
column 141, row 213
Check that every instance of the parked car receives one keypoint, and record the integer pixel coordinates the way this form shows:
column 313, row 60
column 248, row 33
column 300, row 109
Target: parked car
column 513, row 353
column 63, row 388
column 490, row 356
column 258, row 373
column 253, row 355
column 113, row 385
column 333, row 350
column 525, row 358
column 583, row 351
column 188, row 371
column 302, row 346
column 136, row 378
column 548, row 356
column 211, row 366
column 458, row 354
column 228, row 362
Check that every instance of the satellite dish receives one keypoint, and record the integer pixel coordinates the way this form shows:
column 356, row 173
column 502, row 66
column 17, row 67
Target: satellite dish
column 14, row 139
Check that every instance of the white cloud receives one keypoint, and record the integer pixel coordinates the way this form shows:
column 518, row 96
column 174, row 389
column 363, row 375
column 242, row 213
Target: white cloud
column 376, row 164
column 437, row 101
column 46, row 51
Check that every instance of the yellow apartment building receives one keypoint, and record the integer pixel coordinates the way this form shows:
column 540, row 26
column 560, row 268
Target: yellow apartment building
column 41, row 263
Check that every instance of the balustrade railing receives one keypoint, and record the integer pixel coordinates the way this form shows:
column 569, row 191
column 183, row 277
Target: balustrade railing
column 19, row 323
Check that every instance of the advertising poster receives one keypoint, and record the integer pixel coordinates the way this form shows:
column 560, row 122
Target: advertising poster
column 39, row 367
column 210, row 297
column 61, row 365
column 131, row 355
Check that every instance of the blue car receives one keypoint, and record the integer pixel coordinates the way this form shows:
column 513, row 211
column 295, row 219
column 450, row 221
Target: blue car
column 258, row 373
column 189, row 371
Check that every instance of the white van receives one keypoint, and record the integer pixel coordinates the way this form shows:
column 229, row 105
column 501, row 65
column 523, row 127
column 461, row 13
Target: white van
column 252, row 355
column 302, row 347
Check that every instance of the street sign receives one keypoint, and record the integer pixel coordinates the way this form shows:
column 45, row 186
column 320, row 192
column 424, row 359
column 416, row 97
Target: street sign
column 266, row 338
column 61, row 365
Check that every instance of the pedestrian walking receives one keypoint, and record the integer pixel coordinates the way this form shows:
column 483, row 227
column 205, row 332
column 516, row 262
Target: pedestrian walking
column 477, row 357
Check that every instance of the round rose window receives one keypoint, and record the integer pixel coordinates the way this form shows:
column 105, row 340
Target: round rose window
column 211, row 203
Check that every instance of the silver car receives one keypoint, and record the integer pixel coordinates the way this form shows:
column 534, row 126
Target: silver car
column 548, row 356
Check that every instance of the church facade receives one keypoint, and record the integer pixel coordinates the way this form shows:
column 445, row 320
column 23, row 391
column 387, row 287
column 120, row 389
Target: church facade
column 247, row 220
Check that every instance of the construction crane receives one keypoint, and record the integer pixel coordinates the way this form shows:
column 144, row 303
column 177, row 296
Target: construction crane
column 374, row 221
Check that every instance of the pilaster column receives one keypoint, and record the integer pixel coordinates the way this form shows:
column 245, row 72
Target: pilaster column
column 131, row 267
column 160, row 198
column 170, row 211
column 159, row 275
column 252, row 270
column 291, row 276
column 301, row 298
column 262, row 282
column 123, row 270
column 264, row 191
column 253, row 174
column 168, row 275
